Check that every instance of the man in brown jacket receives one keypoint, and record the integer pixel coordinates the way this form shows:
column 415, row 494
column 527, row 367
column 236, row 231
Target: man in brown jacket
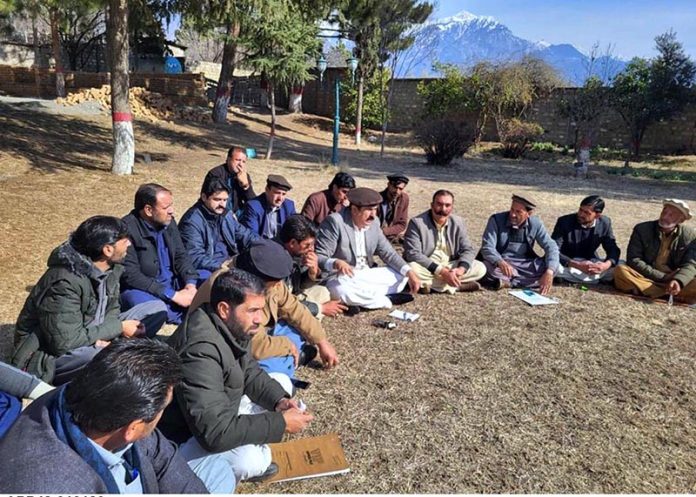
column 319, row 205
column 661, row 256
column 393, row 211
column 290, row 332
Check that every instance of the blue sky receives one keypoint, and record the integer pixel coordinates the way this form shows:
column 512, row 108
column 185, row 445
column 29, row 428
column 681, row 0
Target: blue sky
column 630, row 25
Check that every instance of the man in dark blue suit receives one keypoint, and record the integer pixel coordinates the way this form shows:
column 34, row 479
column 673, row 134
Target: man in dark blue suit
column 265, row 214
column 211, row 234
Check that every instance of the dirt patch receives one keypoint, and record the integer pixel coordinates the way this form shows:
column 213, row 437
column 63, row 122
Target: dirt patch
column 482, row 394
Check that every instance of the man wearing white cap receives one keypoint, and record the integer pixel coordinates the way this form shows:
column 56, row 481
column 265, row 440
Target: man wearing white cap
column 661, row 256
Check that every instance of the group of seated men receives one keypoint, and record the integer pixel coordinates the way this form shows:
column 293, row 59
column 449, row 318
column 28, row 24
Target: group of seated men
column 248, row 281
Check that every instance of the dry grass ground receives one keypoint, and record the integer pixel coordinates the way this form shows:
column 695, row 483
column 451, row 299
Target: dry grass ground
column 482, row 394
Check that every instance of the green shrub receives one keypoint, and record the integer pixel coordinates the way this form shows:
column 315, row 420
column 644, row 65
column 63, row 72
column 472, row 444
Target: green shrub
column 444, row 140
column 543, row 147
column 373, row 103
column 517, row 136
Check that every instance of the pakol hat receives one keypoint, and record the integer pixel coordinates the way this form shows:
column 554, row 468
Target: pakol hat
column 364, row 197
column 398, row 178
column 278, row 181
column 266, row 259
column 527, row 201
column 682, row 206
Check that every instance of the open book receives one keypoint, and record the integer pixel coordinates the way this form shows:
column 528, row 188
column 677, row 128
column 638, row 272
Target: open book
column 309, row 458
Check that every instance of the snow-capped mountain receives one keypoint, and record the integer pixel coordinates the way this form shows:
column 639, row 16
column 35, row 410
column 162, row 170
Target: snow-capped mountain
column 465, row 39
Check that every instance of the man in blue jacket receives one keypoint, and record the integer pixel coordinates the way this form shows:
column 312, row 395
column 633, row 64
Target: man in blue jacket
column 266, row 214
column 211, row 234
column 508, row 248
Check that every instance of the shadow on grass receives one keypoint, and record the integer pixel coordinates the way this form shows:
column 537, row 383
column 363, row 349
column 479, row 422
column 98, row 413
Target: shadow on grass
column 41, row 137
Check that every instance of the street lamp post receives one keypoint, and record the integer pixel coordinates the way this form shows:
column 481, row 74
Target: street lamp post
column 321, row 67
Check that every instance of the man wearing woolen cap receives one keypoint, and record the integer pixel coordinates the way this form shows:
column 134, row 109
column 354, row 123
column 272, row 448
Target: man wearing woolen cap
column 346, row 245
column 265, row 214
column 508, row 248
column 661, row 256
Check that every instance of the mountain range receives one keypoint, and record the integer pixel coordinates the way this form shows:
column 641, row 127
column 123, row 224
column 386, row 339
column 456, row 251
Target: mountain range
column 466, row 39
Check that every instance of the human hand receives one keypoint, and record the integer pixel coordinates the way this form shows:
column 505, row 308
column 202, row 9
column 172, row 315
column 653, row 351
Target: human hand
column 333, row 308
column 450, row 277
column 328, row 354
column 295, row 353
column 100, row 344
column 546, row 282
column 506, row 268
column 296, row 420
column 131, row 328
column 583, row 266
column 284, row 404
column 185, row 296
column 673, row 287
column 414, row 282
column 311, row 261
column 343, row 268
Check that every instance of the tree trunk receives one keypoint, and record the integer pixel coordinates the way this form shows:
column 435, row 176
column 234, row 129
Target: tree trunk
column 37, row 54
column 271, row 96
column 358, row 112
column 295, row 101
column 121, row 117
column 55, row 43
column 224, row 89
column 385, row 110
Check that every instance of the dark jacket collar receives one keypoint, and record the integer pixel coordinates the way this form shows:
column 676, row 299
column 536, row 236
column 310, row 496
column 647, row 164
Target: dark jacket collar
column 65, row 255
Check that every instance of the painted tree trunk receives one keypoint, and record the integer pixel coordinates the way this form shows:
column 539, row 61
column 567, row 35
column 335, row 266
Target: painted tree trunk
column 121, row 117
column 224, row 89
column 57, row 56
column 295, row 102
column 37, row 54
column 358, row 112
column 271, row 97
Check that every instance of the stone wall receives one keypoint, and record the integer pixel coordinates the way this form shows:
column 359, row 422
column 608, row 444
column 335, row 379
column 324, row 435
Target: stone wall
column 677, row 135
column 186, row 89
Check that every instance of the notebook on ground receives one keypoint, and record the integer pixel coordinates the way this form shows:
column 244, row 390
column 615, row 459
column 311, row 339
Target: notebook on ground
column 309, row 458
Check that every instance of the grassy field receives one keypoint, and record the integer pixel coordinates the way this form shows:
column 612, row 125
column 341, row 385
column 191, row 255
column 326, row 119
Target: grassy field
column 482, row 394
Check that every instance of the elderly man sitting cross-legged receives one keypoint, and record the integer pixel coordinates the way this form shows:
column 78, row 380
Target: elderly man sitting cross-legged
column 438, row 249
column 508, row 248
column 661, row 256
column 346, row 245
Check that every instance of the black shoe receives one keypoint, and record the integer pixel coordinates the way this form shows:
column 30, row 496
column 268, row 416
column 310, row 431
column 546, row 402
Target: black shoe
column 307, row 354
column 270, row 471
column 352, row 310
column 400, row 298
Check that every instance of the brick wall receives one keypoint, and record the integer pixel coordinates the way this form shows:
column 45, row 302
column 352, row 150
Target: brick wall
column 186, row 89
column 677, row 135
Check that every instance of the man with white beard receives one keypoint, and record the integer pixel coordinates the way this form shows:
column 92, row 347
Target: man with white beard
column 661, row 256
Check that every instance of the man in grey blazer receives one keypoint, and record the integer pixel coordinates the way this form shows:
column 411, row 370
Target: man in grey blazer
column 438, row 249
column 508, row 248
column 346, row 245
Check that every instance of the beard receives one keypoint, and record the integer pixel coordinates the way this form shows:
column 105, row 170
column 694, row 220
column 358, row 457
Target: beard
column 238, row 332
column 666, row 226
